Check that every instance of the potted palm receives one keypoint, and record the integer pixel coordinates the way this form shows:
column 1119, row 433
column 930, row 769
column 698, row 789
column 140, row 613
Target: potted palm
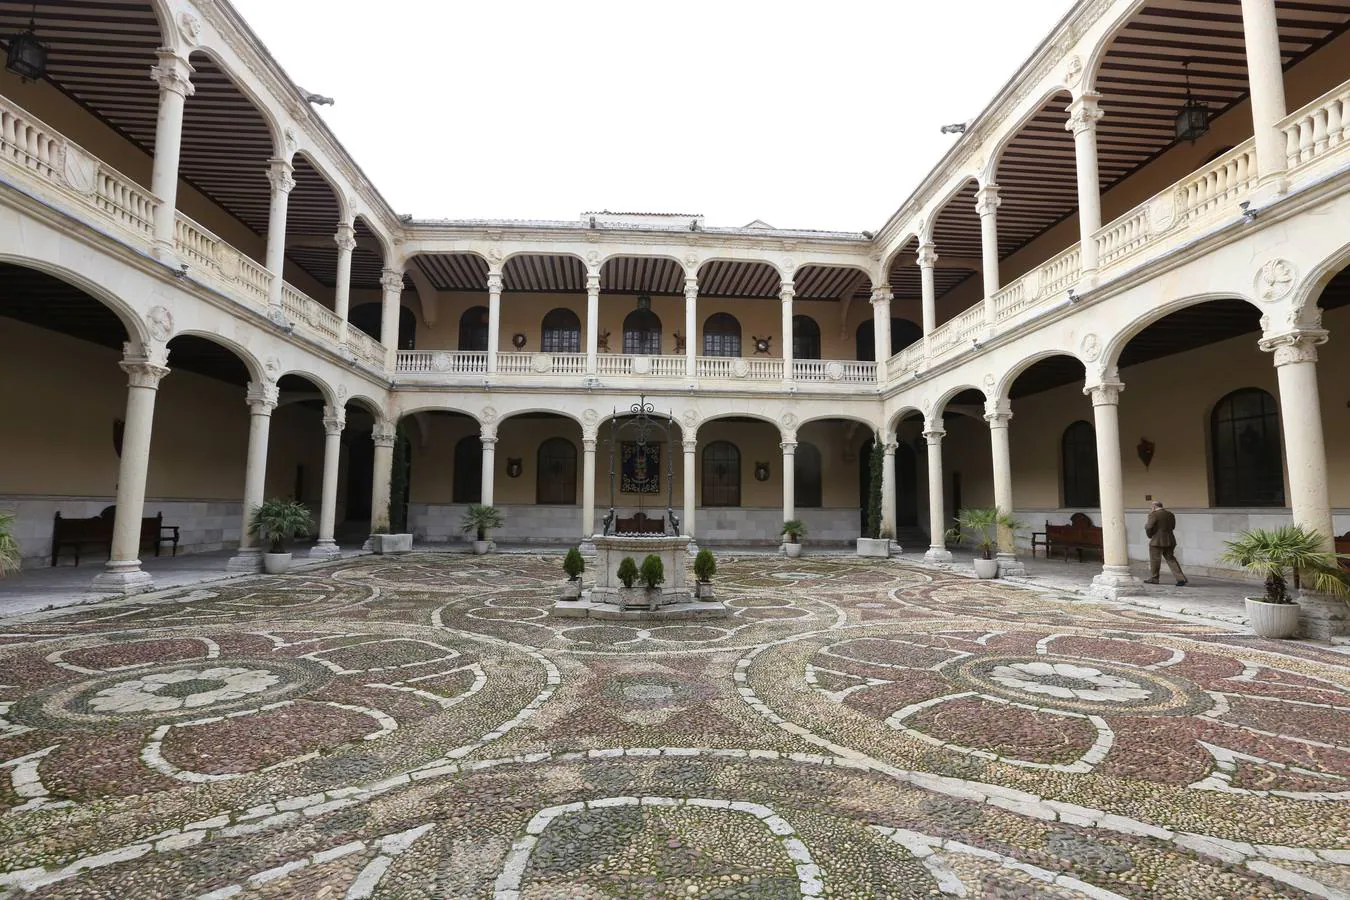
column 478, row 521
column 793, row 529
column 573, row 565
column 9, row 547
column 705, row 567
column 1274, row 554
column 979, row 526
column 276, row 522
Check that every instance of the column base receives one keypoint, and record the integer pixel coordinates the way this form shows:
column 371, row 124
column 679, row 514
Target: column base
column 1114, row 582
column 896, row 549
column 937, row 555
column 245, row 562
column 123, row 576
column 325, row 548
column 1009, row 564
column 587, row 545
column 369, row 545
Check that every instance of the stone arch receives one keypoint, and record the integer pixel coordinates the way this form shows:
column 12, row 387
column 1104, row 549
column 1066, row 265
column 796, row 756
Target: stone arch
column 366, row 403
column 1003, row 386
column 386, row 247
column 329, row 395
column 256, row 370
column 904, row 412
column 136, row 328
column 274, row 124
column 939, row 406
column 1010, row 134
column 553, row 411
column 1092, row 65
column 734, row 414
column 870, row 424
column 888, row 261
column 1110, row 353
column 430, row 407
column 1307, row 296
column 339, row 197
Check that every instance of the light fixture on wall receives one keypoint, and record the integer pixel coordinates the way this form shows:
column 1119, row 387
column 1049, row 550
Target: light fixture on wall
column 27, row 55
column 644, row 301
column 1193, row 118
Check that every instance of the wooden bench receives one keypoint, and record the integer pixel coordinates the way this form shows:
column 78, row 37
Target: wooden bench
column 641, row 523
column 98, row 532
column 1079, row 535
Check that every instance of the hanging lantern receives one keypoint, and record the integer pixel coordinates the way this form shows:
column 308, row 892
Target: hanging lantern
column 27, row 55
column 1193, row 118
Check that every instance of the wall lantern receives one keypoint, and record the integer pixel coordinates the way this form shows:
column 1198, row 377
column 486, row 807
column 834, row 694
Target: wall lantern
column 1193, row 118
column 761, row 471
column 27, row 55
column 644, row 301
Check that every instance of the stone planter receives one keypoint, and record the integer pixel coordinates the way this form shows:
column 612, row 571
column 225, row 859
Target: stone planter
column 875, row 548
column 1272, row 620
column 985, row 568
column 792, row 550
column 276, row 563
column 571, row 590
column 391, row 543
column 705, row 590
column 481, row 547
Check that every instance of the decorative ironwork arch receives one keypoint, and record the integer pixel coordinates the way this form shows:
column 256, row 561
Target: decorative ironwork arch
column 641, row 426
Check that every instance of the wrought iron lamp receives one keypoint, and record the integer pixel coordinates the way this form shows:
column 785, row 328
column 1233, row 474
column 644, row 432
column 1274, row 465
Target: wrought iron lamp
column 27, row 55
column 1193, row 118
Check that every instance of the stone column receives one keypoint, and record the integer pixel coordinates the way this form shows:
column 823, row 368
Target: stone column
column 334, row 420
column 1115, row 579
column 927, row 258
column 279, row 175
column 173, row 75
column 998, row 415
column 488, row 436
column 785, row 294
column 888, row 484
column 1084, row 114
column 789, row 448
column 986, row 204
column 592, row 329
column 391, row 282
column 346, row 243
column 588, row 439
column 1301, row 424
column 384, row 434
column 881, row 327
column 262, row 400
column 145, row 368
column 495, row 317
column 691, row 344
column 690, row 473
column 937, row 517
column 1265, row 80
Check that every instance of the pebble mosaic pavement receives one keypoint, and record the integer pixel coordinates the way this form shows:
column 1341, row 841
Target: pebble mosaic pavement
column 424, row 728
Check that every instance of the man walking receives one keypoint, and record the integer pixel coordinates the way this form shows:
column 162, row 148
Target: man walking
column 1162, row 544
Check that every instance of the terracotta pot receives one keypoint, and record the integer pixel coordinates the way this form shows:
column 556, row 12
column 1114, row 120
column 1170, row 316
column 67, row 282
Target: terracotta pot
column 1272, row 620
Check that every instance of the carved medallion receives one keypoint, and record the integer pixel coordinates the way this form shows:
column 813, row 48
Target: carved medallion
column 834, row 370
column 227, row 262
column 690, row 418
column 487, row 414
column 740, row 368
column 590, row 417
column 159, row 322
column 1073, row 71
column 78, row 170
column 1091, row 347
column 543, row 362
column 1275, row 280
column 441, row 362
column 1162, row 213
column 641, row 365
column 788, row 420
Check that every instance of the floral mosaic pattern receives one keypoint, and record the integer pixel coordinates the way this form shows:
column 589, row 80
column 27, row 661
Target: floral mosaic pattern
column 424, row 728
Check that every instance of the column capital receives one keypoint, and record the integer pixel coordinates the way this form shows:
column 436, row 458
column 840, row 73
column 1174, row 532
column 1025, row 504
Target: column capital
column 384, row 433
column 488, row 434
column 786, row 292
column 789, row 448
column 890, row 447
column 391, row 280
column 987, row 200
column 143, row 373
column 261, row 397
column 690, row 288
column 588, row 444
column 881, row 293
column 279, row 176
column 334, row 420
column 997, row 413
column 934, row 436
column 691, row 445
column 1084, row 114
column 173, row 73
column 592, row 281
column 494, row 282
column 345, row 238
column 1106, row 393
column 1298, row 346
column 926, row 256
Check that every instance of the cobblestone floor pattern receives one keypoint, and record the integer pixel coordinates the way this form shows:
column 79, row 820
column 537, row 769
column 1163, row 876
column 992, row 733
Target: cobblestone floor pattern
column 424, row 728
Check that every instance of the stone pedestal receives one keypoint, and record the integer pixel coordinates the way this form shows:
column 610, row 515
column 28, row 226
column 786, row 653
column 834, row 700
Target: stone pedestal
column 609, row 599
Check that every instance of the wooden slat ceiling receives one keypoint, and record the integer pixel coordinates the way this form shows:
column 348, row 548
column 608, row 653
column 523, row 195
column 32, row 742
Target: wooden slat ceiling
column 830, row 283
column 722, row 278
column 956, row 230
column 454, row 271
column 906, row 281
column 642, row 275
column 542, row 274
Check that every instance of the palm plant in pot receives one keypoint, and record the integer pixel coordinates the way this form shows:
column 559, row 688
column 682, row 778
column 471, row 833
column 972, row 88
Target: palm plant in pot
column 793, row 530
column 979, row 526
column 9, row 547
column 1290, row 550
column 276, row 522
column 478, row 521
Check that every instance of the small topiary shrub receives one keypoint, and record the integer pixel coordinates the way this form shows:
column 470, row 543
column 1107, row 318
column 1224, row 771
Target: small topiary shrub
column 573, row 564
column 705, row 567
column 653, row 572
column 628, row 571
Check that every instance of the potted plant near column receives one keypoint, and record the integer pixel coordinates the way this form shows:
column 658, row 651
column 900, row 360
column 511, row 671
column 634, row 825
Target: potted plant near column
column 1274, row 554
column 275, row 523
column 9, row 547
column 573, row 565
column 871, row 543
column 705, row 567
column 793, row 530
column 979, row 526
column 478, row 521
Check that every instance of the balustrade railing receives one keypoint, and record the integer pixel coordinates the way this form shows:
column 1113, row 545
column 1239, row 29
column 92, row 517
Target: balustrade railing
column 835, row 370
column 1318, row 128
column 365, row 347
column 906, row 361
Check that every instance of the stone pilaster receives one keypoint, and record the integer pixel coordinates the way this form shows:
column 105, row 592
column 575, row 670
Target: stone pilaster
column 937, row 517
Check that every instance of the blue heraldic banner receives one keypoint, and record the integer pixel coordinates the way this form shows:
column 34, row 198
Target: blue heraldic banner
column 640, row 468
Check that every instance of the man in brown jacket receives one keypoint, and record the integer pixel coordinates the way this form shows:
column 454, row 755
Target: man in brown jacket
column 1162, row 543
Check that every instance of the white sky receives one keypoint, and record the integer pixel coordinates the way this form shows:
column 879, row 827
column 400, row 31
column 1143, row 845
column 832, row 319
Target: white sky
column 806, row 115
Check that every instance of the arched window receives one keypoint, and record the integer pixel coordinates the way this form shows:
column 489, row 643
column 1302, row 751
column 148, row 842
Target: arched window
column 473, row 328
column 1078, row 451
column 806, row 475
column 556, row 477
column 562, row 332
column 468, row 470
column 721, row 335
column 1245, row 450
column 805, row 338
column 721, row 474
column 642, row 333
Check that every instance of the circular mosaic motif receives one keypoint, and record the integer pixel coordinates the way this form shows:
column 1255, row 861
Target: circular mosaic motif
column 1088, row 687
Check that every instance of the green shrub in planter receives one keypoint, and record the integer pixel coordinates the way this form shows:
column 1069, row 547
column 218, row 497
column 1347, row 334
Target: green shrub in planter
column 795, row 529
column 653, row 572
column 479, row 520
column 628, row 571
column 705, row 567
column 573, row 564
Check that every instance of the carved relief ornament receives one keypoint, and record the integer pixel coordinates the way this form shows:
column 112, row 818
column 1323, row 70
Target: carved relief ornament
column 1275, row 280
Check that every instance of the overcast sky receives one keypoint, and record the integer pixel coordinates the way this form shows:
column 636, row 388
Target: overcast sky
column 806, row 115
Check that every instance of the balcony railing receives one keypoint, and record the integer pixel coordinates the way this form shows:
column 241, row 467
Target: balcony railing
column 847, row 371
column 1313, row 132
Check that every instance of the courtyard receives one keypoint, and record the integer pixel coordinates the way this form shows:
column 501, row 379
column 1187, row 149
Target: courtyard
column 423, row 727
